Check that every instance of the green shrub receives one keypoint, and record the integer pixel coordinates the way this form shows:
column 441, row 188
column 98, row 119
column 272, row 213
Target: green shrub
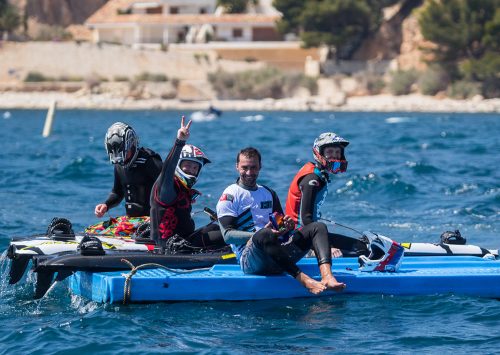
column 70, row 78
column 258, row 84
column 402, row 80
column 432, row 81
column 464, row 89
column 35, row 77
column 121, row 78
column 250, row 59
column 175, row 82
column 52, row 33
column 485, row 70
column 145, row 76
column 375, row 85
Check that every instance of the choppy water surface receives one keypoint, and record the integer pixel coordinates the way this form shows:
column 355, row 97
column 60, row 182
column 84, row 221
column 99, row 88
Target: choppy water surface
column 411, row 176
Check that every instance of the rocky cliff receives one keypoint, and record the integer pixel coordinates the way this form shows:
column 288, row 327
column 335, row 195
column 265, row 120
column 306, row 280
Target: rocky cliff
column 58, row 12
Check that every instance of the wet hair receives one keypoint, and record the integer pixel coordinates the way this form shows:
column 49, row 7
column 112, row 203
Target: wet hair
column 249, row 152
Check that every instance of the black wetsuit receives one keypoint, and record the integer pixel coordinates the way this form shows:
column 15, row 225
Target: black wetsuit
column 135, row 183
column 314, row 191
column 171, row 208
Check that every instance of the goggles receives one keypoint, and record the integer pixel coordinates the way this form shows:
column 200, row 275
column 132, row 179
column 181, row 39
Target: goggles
column 335, row 166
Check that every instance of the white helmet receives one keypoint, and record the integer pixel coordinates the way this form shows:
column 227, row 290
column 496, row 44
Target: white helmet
column 192, row 153
column 121, row 143
column 330, row 139
column 385, row 254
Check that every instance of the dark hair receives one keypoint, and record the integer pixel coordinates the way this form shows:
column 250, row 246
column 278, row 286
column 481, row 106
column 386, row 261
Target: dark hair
column 249, row 152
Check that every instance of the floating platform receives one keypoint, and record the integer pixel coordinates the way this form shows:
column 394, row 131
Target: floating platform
column 464, row 275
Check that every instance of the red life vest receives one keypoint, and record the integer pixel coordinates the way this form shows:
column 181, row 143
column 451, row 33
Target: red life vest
column 180, row 207
column 295, row 194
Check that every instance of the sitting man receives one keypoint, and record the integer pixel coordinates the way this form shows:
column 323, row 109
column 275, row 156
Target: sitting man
column 243, row 211
column 135, row 169
column 309, row 188
column 173, row 195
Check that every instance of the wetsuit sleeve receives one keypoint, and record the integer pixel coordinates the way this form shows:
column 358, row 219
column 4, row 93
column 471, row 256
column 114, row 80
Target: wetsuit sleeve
column 310, row 185
column 228, row 216
column 229, row 232
column 153, row 166
column 166, row 191
column 117, row 193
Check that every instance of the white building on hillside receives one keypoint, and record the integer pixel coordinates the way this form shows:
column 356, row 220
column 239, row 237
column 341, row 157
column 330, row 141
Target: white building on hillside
column 135, row 22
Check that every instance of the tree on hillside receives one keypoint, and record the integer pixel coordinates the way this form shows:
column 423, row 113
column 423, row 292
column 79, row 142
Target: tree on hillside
column 340, row 24
column 292, row 11
column 9, row 17
column 458, row 27
column 235, row 6
column 467, row 38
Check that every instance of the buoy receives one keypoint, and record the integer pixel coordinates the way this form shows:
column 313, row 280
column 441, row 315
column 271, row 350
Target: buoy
column 47, row 127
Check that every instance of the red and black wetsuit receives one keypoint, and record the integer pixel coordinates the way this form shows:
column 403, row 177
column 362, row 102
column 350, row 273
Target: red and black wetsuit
column 171, row 205
column 135, row 183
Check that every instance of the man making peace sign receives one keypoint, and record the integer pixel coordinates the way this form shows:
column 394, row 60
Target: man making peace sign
column 173, row 195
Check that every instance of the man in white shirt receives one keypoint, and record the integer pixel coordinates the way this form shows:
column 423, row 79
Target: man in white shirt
column 244, row 210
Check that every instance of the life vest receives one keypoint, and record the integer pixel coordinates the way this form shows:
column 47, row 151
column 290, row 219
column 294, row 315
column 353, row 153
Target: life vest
column 177, row 210
column 294, row 197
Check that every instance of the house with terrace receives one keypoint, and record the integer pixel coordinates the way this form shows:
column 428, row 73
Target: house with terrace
column 162, row 22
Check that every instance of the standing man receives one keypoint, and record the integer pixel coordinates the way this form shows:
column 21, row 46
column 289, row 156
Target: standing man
column 173, row 196
column 243, row 211
column 135, row 170
column 309, row 188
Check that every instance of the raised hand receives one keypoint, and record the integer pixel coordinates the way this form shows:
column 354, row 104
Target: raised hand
column 183, row 132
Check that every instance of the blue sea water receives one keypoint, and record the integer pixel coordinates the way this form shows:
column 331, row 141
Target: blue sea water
column 411, row 176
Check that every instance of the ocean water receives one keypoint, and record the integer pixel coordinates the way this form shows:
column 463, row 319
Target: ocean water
column 411, row 176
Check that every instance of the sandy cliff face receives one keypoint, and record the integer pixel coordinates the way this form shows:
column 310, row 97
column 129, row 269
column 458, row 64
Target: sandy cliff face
column 58, row 12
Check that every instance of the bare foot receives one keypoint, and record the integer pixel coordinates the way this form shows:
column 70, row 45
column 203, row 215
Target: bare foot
column 332, row 284
column 312, row 285
column 329, row 280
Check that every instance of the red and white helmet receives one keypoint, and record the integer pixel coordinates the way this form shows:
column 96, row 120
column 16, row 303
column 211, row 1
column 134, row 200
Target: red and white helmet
column 191, row 153
column 385, row 254
column 330, row 139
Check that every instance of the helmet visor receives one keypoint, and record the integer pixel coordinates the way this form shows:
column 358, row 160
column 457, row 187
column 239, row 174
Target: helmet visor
column 116, row 153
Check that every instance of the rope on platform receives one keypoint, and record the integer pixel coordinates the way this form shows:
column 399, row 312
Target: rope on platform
column 134, row 269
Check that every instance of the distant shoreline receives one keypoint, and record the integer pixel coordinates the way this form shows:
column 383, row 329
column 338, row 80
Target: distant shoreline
column 378, row 103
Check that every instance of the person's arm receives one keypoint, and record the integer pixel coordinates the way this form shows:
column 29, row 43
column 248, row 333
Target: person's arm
column 227, row 212
column 166, row 188
column 229, row 232
column 116, row 194
column 153, row 166
column 165, row 184
column 310, row 185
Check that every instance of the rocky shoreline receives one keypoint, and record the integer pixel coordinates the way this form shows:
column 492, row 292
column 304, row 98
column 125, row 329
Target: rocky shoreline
column 377, row 103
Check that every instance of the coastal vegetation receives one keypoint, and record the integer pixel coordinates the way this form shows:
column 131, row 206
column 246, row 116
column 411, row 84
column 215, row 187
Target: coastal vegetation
column 466, row 35
column 235, row 6
column 454, row 47
column 464, row 38
column 259, row 84
column 340, row 24
column 9, row 18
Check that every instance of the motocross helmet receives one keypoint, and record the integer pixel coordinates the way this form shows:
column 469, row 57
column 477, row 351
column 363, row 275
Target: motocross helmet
column 385, row 254
column 191, row 153
column 325, row 140
column 122, row 144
